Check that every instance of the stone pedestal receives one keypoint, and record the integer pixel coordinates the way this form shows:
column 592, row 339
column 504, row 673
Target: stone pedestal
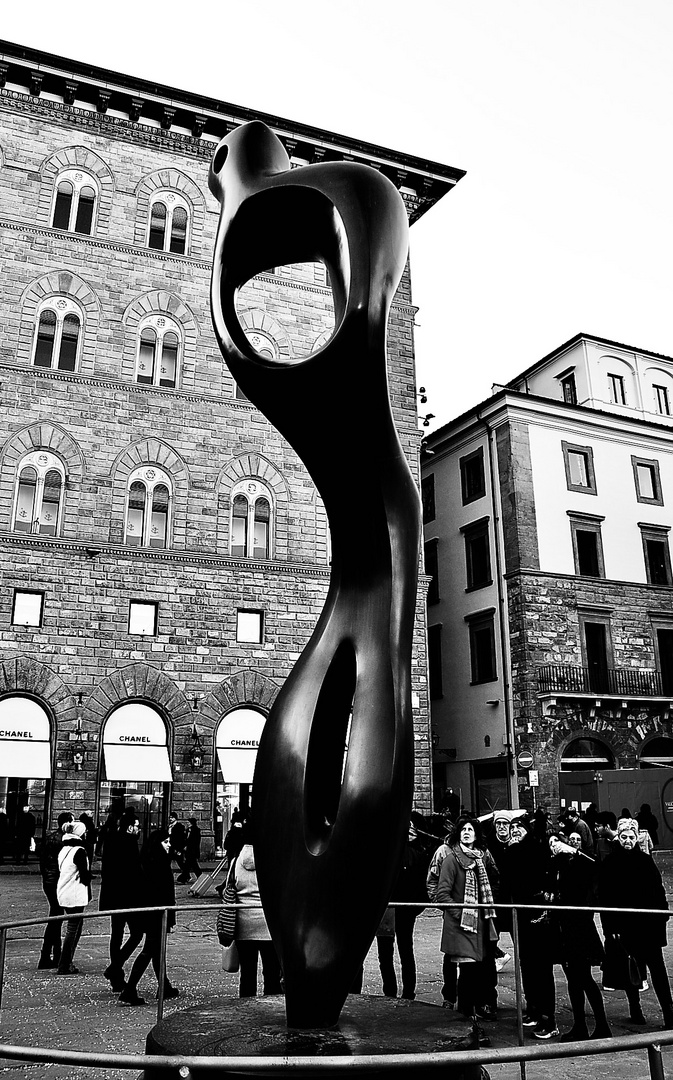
column 255, row 1027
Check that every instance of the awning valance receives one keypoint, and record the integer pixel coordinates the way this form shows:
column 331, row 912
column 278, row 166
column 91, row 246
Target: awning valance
column 237, row 741
column 134, row 745
column 25, row 748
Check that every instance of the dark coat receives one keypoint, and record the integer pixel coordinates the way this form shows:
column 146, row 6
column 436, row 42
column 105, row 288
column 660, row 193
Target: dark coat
column 193, row 842
column 53, row 842
column 121, row 876
column 158, row 886
column 457, row 942
column 576, row 884
column 631, row 879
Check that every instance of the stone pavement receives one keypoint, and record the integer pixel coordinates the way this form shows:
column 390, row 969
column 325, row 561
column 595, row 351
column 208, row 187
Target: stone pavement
column 41, row 1008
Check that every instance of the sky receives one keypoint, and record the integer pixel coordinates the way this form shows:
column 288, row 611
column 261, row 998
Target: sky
column 560, row 111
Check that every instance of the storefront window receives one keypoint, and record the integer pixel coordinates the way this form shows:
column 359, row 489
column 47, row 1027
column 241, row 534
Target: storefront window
column 236, row 746
column 136, row 769
column 25, row 762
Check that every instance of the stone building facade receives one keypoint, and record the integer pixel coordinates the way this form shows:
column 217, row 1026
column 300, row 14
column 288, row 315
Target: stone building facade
column 164, row 553
column 552, row 609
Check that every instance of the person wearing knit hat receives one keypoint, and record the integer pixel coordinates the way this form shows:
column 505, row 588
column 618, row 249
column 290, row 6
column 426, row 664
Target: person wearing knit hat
column 630, row 879
column 73, row 890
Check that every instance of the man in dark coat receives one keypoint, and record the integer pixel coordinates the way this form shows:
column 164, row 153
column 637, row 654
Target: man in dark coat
column 630, row 879
column 121, row 886
column 50, row 954
column 524, row 873
column 192, row 850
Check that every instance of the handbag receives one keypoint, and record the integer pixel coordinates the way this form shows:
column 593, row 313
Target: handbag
column 230, row 958
column 226, row 916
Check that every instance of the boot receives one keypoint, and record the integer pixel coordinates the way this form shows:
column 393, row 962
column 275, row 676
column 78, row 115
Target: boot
column 46, row 961
column 578, row 1033
column 115, row 976
column 601, row 1031
column 129, row 996
column 668, row 1019
column 636, row 1015
column 169, row 991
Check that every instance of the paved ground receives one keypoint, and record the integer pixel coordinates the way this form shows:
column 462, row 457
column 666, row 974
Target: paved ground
column 39, row 1008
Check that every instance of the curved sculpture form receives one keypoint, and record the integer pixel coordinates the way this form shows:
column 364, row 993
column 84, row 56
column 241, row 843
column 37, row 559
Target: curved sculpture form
column 330, row 824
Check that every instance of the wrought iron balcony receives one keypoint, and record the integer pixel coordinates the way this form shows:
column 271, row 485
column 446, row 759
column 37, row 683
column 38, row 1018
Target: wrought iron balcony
column 624, row 682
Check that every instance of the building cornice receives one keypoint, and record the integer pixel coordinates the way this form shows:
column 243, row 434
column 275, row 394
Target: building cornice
column 508, row 405
column 92, row 550
column 422, row 181
column 596, row 583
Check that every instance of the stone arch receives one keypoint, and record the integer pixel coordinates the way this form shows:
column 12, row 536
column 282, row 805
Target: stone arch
column 257, row 319
column 152, row 303
column 243, row 687
column 26, row 675
column 60, row 283
column 150, row 452
column 615, row 743
column 58, row 441
column 73, row 157
column 138, row 682
column 257, row 467
column 171, row 179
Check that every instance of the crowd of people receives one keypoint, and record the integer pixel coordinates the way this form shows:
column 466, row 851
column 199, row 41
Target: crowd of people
column 470, row 865
column 583, row 861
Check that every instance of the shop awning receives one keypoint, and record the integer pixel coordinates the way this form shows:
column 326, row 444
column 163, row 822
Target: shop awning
column 27, row 759
column 237, row 741
column 25, row 748
column 136, row 762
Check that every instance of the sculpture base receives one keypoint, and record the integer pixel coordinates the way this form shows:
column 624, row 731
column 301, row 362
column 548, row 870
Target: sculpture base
column 255, row 1027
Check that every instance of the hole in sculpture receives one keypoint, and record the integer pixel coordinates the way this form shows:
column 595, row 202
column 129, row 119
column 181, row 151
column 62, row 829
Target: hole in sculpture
column 328, row 747
column 279, row 334
column 220, row 157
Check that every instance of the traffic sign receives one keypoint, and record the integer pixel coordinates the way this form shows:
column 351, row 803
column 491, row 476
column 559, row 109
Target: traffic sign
column 524, row 759
column 533, row 778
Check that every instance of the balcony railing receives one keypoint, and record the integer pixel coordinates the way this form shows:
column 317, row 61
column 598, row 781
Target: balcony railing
column 627, row 682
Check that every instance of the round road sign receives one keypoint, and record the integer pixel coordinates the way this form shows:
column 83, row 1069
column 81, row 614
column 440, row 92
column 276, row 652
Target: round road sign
column 524, row 759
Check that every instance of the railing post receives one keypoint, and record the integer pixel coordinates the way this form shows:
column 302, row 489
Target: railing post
column 655, row 1062
column 162, row 966
column 3, row 949
column 518, row 986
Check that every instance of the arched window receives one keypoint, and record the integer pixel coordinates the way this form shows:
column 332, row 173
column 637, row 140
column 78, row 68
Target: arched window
column 75, row 202
column 251, row 520
column 657, row 753
column 148, row 508
column 39, row 494
column 158, row 352
column 169, row 223
column 58, row 334
column 586, row 754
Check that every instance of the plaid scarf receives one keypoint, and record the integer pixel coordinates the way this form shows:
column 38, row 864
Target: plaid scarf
column 477, row 889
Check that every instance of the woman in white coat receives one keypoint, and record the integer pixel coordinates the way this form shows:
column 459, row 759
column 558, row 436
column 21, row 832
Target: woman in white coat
column 73, row 890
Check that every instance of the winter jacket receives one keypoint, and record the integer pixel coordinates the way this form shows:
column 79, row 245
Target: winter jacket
column 457, row 942
column 631, row 879
column 575, row 883
column 122, row 883
column 53, row 842
column 74, row 877
column 156, row 883
column 250, row 923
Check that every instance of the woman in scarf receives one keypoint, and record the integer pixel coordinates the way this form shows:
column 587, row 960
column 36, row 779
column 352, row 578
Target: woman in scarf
column 468, row 932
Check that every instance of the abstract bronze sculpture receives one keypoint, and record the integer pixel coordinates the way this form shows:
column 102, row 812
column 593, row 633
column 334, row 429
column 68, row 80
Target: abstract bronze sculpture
column 330, row 823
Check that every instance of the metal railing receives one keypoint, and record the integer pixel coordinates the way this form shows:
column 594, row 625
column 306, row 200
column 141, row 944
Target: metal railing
column 629, row 682
column 181, row 1066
